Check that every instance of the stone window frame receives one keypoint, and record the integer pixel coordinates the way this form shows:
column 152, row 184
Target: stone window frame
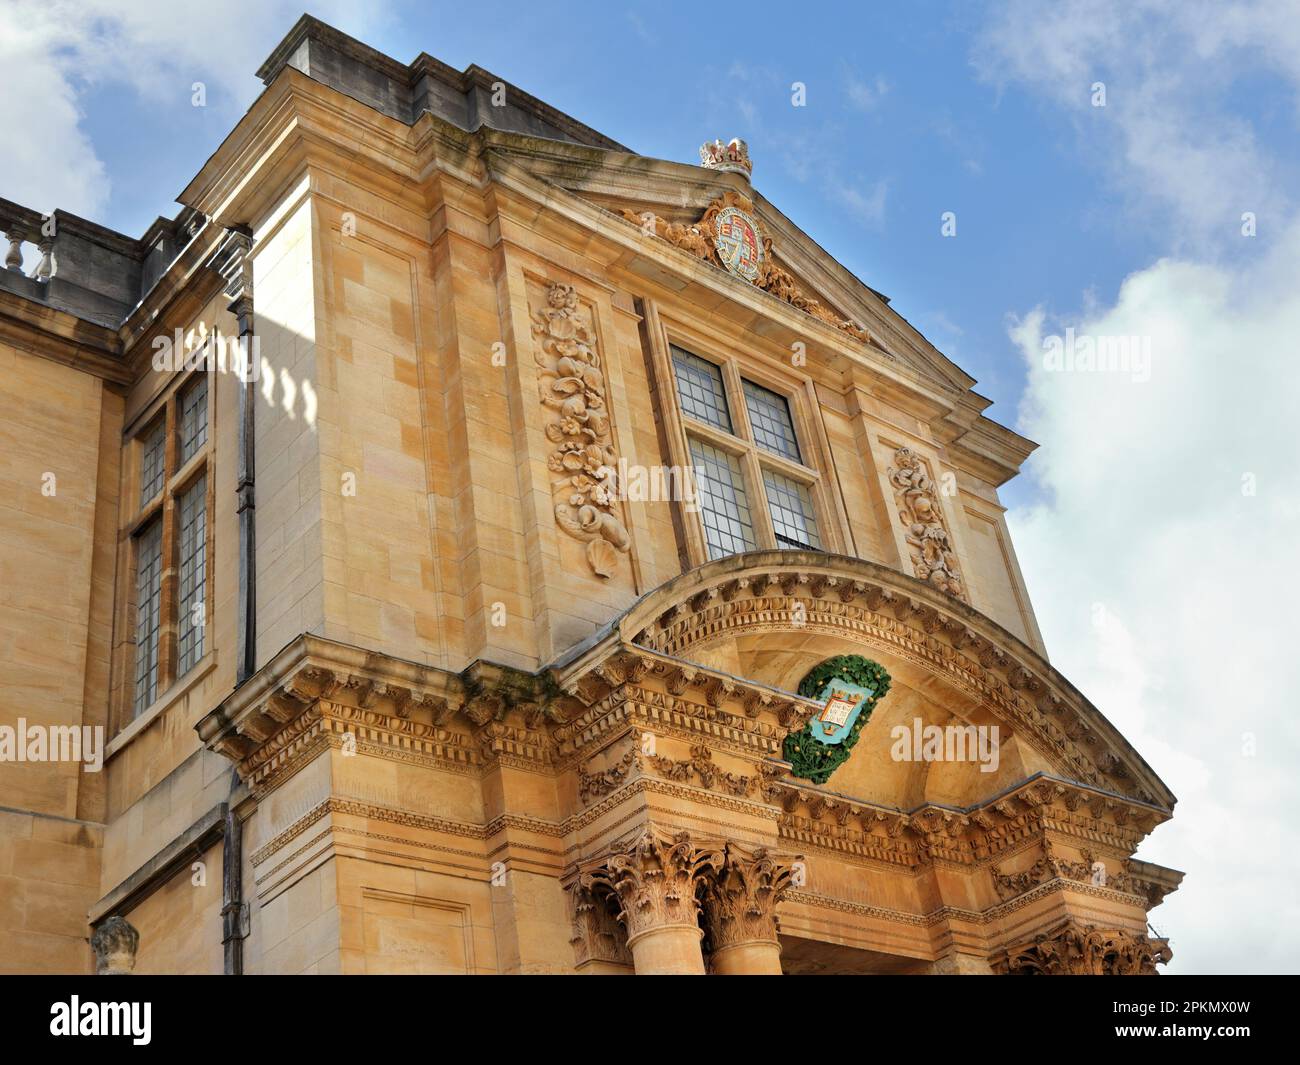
column 815, row 472
column 165, row 507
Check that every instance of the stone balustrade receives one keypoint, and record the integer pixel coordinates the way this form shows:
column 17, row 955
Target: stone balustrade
column 83, row 268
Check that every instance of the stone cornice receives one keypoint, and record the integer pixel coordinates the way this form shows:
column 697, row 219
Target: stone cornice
column 606, row 690
column 62, row 337
column 963, row 836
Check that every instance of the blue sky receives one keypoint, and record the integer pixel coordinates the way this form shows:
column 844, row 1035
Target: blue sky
column 1156, row 526
column 900, row 126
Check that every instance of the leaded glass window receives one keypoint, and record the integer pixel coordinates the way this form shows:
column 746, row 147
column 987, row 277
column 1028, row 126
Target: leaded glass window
column 724, row 506
column 769, row 417
column 148, row 616
column 794, row 520
column 194, row 419
column 700, row 390
column 153, row 448
column 193, row 575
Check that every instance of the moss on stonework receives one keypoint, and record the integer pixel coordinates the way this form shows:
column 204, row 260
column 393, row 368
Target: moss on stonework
column 810, row 758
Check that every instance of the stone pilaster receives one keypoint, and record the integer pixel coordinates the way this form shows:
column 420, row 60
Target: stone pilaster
column 656, row 880
column 740, row 910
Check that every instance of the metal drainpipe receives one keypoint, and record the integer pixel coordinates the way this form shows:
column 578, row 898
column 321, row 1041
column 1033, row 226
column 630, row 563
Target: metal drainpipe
column 233, row 912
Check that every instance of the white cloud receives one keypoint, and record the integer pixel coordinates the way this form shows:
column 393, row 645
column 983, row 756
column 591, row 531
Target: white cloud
column 1165, row 593
column 866, row 95
column 1163, row 140
column 867, row 205
column 1162, row 587
column 54, row 52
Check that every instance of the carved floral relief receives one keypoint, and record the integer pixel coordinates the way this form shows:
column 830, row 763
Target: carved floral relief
column 571, row 385
column 933, row 557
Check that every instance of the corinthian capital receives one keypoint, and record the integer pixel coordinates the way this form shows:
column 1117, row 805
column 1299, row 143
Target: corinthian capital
column 1085, row 950
column 741, row 899
column 655, row 878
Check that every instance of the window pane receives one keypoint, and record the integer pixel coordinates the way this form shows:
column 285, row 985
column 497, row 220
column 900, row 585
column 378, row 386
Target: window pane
column 193, row 560
column 793, row 517
column 194, row 419
column 769, row 416
column 699, row 386
column 728, row 526
column 148, row 605
column 151, row 462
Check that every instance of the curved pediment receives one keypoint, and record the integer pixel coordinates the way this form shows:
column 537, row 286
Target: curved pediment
column 768, row 616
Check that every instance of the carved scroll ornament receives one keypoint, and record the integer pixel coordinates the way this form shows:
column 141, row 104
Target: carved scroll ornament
column 571, row 385
column 933, row 557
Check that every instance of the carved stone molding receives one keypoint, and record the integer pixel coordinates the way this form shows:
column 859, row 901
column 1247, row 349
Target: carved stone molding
column 594, row 783
column 701, row 767
column 655, row 879
column 571, row 385
column 1009, row 885
column 1084, row 950
column 934, row 560
column 740, row 899
column 699, row 238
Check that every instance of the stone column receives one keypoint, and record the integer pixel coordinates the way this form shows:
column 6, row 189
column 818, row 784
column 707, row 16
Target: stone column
column 656, row 880
column 114, row 942
column 740, row 910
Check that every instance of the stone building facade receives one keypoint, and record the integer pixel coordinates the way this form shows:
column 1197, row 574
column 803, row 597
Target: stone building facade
column 447, row 518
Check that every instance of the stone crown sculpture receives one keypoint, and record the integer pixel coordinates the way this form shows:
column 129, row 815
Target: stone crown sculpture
column 732, row 156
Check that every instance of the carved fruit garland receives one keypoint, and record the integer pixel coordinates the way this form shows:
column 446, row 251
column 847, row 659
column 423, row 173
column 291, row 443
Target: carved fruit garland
column 933, row 557
column 572, row 385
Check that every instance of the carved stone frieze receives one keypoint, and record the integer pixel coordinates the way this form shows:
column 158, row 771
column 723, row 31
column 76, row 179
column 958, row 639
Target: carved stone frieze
column 594, row 783
column 1009, row 885
column 571, row 385
column 701, row 767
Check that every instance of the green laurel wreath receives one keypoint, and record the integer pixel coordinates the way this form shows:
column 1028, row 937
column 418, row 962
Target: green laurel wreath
column 812, row 759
